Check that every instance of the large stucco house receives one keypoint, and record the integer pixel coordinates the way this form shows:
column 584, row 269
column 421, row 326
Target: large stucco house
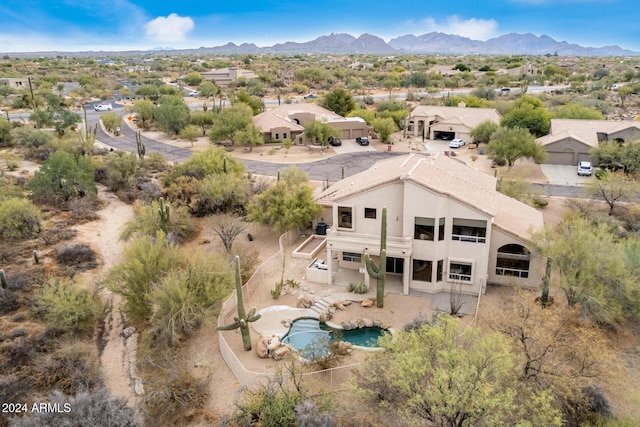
column 224, row 76
column 570, row 140
column 287, row 122
column 446, row 226
column 438, row 122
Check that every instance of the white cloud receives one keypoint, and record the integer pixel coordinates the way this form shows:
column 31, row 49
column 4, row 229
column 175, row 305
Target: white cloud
column 476, row 29
column 173, row 28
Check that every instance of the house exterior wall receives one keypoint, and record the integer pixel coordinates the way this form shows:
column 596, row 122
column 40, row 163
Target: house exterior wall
column 536, row 266
column 567, row 151
column 350, row 129
column 629, row 134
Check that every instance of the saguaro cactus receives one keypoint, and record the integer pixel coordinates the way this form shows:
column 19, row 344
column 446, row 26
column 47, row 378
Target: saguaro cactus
column 165, row 216
column 3, row 279
column 243, row 319
column 380, row 272
column 142, row 149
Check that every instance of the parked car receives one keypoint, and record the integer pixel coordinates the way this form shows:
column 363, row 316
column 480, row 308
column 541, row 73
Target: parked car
column 362, row 140
column 310, row 96
column 105, row 106
column 194, row 93
column 335, row 142
column 457, row 143
column 585, row 169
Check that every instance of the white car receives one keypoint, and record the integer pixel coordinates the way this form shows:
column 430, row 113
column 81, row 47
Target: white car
column 193, row 93
column 105, row 106
column 456, row 143
column 584, row 168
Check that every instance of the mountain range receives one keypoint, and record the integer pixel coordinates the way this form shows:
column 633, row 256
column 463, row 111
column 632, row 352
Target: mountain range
column 430, row 43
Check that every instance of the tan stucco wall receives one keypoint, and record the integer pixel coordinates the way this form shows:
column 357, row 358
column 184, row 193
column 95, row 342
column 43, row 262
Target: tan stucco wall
column 536, row 266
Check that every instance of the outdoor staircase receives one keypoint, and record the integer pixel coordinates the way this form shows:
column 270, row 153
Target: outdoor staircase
column 321, row 306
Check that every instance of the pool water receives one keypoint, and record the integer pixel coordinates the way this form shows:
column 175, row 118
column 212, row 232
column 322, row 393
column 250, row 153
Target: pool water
column 305, row 330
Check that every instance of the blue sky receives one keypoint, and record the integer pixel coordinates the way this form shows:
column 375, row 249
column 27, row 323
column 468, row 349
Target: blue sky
column 71, row 25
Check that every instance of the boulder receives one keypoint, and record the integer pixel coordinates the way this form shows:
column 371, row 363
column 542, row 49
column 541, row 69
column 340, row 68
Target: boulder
column 338, row 305
column 127, row 332
column 273, row 343
column 377, row 323
column 324, row 317
column 368, row 302
column 385, row 325
column 262, row 349
column 282, row 351
column 368, row 323
column 305, row 302
column 346, row 326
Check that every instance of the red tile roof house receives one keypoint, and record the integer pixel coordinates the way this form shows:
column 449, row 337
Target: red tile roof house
column 446, row 226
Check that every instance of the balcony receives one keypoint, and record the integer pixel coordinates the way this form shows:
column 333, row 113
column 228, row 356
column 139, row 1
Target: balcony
column 358, row 242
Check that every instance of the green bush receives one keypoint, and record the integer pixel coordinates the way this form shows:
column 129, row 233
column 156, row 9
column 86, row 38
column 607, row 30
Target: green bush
column 19, row 218
column 67, row 306
column 120, row 170
column 6, row 139
column 32, row 138
column 205, row 163
column 62, row 178
column 222, row 193
column 358, row 288
column 111, row 121
column 146, row 221
column 145, row 261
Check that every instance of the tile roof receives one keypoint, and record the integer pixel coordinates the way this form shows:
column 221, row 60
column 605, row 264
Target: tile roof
column 587, row 130
column 470, row 117
column 446, row 176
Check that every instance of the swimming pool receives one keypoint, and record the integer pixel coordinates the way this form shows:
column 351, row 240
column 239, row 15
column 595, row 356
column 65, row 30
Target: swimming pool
column 306, row 329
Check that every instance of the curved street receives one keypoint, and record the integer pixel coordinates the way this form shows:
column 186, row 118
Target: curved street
column 320, row 170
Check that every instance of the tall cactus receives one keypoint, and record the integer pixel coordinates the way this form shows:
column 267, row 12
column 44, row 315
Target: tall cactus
column 380, row 272
column 243, row 319
column 165, row 215
column 142, row 149
column 3, row 279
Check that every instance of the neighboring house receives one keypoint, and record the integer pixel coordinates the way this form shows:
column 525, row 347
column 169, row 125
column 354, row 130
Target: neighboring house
column 16, row 83
column 446, row 225
column 288, row 121
column 223, row 76
column 570, row 140
column 437, row 122
column 523, row 70
column 443, row 70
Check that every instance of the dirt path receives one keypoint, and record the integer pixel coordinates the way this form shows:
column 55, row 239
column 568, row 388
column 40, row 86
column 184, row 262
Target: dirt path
column 103, row 236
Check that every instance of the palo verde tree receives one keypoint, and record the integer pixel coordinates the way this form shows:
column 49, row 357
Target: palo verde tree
column 172, row 114
column 230, row 120
column 529, row 113
column 320, row 131
column 483, row 132
column 339, row 101
column 243, row 319
column 379, row 272
column 511, row 144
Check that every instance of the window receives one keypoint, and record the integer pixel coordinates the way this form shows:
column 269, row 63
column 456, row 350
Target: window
column 513, row 260
column 395, row 265
column 277, row 136
column 441, row 229
column 439, row 270
column 469, row 230
column 423, row 228
column 370, row 213
column 284, row 135
column 422, row 270
column 345, row 217
column 460, row 271
column 351, row 257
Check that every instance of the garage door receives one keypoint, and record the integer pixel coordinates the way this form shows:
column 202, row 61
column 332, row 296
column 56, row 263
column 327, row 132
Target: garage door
column 563, row 158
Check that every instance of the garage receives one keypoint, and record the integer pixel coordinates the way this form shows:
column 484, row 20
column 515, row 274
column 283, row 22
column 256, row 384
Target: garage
column 446, row 136
column 563, row 158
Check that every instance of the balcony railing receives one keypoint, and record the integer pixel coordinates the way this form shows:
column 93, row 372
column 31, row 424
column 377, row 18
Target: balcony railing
column 512, row 272
column 463, row 238
column 460, row 277
column 368, row 240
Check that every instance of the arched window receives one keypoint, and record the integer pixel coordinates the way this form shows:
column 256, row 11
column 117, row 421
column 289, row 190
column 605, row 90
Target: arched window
column 513, row 260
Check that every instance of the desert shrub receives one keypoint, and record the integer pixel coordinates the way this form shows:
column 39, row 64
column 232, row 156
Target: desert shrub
column 88, row 408
column 309, row 414
column 73, row 366
column 62, row 178
column 67, row 306
column 55, row 235
column 83, row 209
column 319, row 351
column 19, row 218
column 222, row 193
column 358, row 288
column 79, row 255
column 144, row 262
column 205, row 163
column 11, row 161
column 172, row 395
column 32, row 138
column 40, row 153
column 8, row 301
column 9, row 187
column 184, row 191
column 184, row 299
column 6, row 137
column 14, row 388
column 155, row 162
column 249, row 259
column 146, row 221
column 110, row 121
column 120, row 170
column 148, row 191
column 260, row 185
column 539, row 202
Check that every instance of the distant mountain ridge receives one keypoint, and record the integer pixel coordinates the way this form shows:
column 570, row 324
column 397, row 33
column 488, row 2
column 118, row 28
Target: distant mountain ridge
column 430, row 43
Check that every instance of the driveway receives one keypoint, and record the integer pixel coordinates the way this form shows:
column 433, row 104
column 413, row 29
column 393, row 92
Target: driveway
column 564, row 175
column 351, row 146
